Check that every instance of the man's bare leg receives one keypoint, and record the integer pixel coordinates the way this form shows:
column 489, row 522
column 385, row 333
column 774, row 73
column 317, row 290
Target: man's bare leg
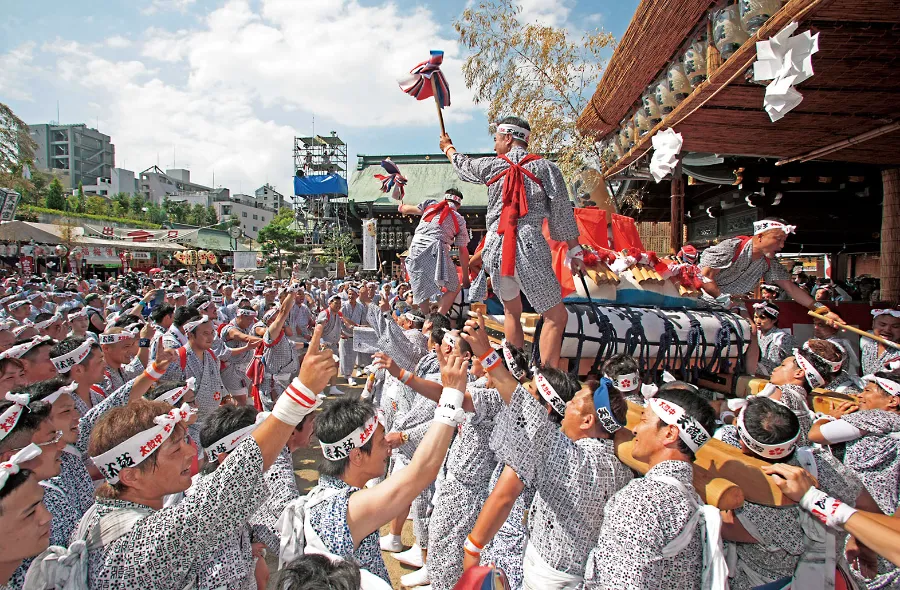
column 512, row 322
column 447, row 301
column 551, row 334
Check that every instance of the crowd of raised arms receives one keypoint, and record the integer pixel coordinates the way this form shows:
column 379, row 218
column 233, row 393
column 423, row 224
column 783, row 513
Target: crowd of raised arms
column 147, row 426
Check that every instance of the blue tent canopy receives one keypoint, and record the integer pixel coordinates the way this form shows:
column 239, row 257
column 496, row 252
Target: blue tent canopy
column 328, row 184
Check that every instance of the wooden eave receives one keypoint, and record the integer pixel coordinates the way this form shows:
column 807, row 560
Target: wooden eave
column 854, row 90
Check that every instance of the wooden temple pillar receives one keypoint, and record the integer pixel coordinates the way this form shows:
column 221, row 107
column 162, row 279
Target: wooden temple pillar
column 890, row 236
column 676, row 228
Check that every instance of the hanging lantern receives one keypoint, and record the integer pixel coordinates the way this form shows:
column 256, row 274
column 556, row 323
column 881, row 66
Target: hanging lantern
column 755, row 13
column 665, row 98
column 626, row 134
column 641, row 123
column 694, row 61
column 678, row 81
column 728, row 30
column 651, row 107
column 212, row 258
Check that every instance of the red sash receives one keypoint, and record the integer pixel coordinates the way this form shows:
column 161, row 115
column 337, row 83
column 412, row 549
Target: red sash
column 257, row 370
column 443, row 209
column 515, row 205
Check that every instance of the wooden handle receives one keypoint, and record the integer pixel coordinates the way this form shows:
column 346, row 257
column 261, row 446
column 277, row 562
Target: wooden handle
column 717, row 460
column 716, row 491
column 857, row 331
column 437, row 102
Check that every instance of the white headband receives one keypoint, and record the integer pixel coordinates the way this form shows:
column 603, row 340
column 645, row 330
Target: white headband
column 689, row 430
column 173, row 396
column 517, row 373
column 767, row 224
column 46, row 323
column 888, row 385
column 891, row 312
column 65, row 362
column 114, row 338
column 517, row 132
column 230, row 441
column 135, row 450
column 341, row 449
column 766, row 308
column 627, row 382
column 191, row 326
column 18, row 304
column 549, row 395
column 77, row 314
column 70, row 388
column 766, row 451
column 244, row 311
column 769, row 287
column 451, row 197
column 813, row 377
column 13, row 466
column 10, row 417
column 18, row 351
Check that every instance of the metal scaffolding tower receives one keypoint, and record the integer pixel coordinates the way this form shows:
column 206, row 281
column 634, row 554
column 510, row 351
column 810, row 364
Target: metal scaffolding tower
column 320, row 217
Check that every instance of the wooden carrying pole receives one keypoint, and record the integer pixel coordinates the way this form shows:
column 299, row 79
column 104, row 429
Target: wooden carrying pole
column 857, row 331
column 437, row 102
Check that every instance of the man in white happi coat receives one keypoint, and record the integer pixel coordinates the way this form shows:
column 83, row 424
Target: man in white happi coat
column 353, row 314
column 523, row 190
column 432, row 273
column 156, row 547
column 573, row 468
column 651, row 535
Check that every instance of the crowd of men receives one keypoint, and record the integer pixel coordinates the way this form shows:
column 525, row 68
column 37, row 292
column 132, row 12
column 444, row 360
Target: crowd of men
column 147, row 428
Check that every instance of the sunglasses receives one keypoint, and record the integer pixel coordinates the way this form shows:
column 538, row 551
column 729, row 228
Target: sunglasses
column 57, row 434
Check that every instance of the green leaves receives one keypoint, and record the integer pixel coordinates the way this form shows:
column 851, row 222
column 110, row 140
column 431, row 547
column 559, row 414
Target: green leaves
column 534, row 71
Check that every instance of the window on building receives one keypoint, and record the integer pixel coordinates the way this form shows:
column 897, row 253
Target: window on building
column 244, row 214
column 255, row 216
column 254, row 228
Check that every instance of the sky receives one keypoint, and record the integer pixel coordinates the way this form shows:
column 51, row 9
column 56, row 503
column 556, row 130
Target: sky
column 221, row 87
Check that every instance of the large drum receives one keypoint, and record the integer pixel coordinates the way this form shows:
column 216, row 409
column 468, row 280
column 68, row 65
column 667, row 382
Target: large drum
column 689, row 343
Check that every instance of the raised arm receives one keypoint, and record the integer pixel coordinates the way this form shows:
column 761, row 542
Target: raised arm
column 424, row 387
column 475, row 334
column 405, row 209
column 370, row 508
column 494, row 512
column 278, row 323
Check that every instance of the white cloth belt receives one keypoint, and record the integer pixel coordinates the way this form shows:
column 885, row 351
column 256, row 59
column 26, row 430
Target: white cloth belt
column 537, row 574
column 715, row 568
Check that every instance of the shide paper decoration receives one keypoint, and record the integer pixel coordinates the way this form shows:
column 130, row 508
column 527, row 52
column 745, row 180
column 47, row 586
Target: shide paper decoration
column 787, row 61
column 666, row 147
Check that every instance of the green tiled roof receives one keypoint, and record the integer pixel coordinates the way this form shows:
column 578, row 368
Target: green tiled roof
column 429, row 176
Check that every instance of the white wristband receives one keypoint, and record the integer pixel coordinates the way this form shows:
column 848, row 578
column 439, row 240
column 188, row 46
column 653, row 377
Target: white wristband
column 830, row 511
column 451, row 398
column 153, row 372
column 295, row 403
column 449, row 416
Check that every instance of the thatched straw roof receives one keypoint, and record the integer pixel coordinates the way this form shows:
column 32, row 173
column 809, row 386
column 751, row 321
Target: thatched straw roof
column 854, row 89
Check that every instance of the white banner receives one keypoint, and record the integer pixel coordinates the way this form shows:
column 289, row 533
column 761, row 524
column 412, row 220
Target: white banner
column 244, row 260
column 140, row 256
column 370, row 248
column 101, row 255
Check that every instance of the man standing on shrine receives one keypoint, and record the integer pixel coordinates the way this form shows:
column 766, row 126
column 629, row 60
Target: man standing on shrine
column 523, row 190
column 735, row 266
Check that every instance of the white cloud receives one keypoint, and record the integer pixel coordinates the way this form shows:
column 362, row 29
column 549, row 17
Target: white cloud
column 552, row 13
column 167, row 6
column 202, row 90
column 16, row 68
column 118, row 42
